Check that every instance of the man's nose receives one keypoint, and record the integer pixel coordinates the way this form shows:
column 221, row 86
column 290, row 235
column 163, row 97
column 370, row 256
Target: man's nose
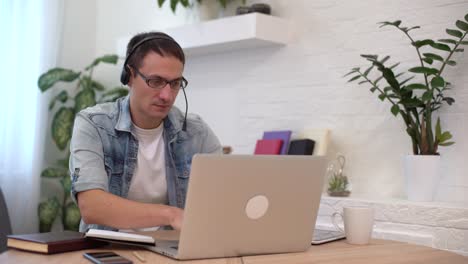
column 165, row 92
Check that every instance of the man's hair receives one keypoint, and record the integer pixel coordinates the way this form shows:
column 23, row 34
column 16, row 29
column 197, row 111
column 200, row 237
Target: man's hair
column 164, row 46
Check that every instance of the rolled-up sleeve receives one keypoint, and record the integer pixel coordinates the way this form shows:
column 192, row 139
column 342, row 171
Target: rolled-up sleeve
column 211, row 142
column 86, row 164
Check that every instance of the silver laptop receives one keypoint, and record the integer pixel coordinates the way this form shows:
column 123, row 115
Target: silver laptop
column 240, row 205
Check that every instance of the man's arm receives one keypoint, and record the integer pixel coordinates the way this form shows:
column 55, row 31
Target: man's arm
column 100, row 207
column 90, row 187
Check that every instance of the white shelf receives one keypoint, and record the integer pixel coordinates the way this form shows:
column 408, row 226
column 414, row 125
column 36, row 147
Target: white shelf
column 227, row 34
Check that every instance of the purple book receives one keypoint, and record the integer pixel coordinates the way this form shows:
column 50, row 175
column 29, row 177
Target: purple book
column 285, row 135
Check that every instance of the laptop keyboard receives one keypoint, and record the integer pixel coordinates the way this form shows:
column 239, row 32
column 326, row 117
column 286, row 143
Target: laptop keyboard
column 321, row 234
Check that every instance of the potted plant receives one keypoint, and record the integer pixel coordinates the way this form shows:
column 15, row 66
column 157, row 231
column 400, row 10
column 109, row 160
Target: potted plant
column 87, row 92
column 206, row 9
column 417, row 100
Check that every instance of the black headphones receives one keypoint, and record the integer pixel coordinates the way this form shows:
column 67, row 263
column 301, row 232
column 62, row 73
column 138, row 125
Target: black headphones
column 125, row 75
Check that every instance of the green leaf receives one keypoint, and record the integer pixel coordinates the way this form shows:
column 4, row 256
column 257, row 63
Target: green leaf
column 185, row 3
column 382, row 96
column 438, row 130
column 373, row 89
column 425, row 70
column 405, row 81
column 354, row 70
column 369, row 56
column 223, row 3
column 394, row 65
column 437, row 82
column 445, row 136
column 454, row 32
column 354, row 78
column 55, row 75
column 362, row 82
column 449, row 41
column 441, row 46
column 71, row 220
column 395, row 110
column 87, row 83
column 451, row 63
column 428, row 60
column 174, row 5
column 459, row 50
column 421, row 43
column 47, row 212
column 411, row 28
column 384, row 59
column 66, row 184
column 466, row 17
column 445, row 144
column 54, row 173
column 427, row 96
column 161, row 2
column 433, row 56
column 415, row 86
column 449, row 100
column 386, row 23
column 378, row 80
column 464, row 42
column 368, row 70
column 62, row 125
column 112, row 58
column 461, row 25
column 114, row 94
column 84, row 98
column 62, row 97
column 412, row 102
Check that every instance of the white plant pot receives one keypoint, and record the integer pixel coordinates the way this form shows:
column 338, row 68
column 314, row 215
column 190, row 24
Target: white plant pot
column 422, row 175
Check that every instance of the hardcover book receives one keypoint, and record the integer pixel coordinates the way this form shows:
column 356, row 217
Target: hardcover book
column 284, row 135
column 301, row 147
column 268, row 147
column 52, row 242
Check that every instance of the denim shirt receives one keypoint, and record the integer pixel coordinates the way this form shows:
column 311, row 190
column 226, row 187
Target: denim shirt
column 104, row 151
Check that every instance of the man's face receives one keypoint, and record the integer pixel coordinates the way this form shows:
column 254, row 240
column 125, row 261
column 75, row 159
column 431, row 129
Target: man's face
column 149, row 106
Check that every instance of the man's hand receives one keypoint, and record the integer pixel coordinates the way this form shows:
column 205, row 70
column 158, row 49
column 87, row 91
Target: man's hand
column 177, row 218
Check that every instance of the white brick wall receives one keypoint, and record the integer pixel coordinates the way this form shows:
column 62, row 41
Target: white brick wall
column 436, row 225
column 299, row 86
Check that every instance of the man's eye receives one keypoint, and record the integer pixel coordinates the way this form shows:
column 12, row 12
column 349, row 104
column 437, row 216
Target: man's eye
column 156, row 82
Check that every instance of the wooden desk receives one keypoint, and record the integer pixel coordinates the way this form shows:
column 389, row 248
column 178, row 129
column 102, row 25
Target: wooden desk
column 379, row 251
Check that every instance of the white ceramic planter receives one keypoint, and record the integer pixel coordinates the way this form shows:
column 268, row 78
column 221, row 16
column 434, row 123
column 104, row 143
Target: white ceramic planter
column 422, row 175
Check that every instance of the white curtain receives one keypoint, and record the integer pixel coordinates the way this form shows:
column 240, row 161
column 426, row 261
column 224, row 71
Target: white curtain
column 30, row 39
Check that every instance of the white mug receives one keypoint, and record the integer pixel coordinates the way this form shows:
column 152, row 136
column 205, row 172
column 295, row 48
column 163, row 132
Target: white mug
column 358, row 224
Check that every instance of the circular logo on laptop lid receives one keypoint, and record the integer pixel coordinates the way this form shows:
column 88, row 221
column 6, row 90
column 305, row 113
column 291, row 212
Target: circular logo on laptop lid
column 256, row 207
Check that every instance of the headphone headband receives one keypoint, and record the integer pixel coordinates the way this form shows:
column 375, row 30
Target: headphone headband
column 124, row 76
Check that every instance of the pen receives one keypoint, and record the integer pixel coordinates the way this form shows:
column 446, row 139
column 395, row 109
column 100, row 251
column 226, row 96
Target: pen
column 138, row 256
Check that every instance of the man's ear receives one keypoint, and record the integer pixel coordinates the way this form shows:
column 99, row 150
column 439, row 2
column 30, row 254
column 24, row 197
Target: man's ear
column 130, row 76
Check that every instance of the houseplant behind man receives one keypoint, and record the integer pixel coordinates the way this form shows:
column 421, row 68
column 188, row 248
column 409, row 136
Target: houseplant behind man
column 130, row 160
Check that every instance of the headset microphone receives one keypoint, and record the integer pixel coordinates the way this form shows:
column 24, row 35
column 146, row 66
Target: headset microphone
column 184, row 126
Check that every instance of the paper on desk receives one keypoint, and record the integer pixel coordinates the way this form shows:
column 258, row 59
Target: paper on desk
column 119, row 236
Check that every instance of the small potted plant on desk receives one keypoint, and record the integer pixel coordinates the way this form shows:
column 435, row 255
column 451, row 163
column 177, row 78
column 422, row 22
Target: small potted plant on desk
column 418, row 101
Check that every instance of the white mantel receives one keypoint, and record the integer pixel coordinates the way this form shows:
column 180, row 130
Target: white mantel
column 438, row 225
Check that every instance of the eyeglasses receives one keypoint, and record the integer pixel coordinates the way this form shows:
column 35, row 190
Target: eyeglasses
column 158, row 82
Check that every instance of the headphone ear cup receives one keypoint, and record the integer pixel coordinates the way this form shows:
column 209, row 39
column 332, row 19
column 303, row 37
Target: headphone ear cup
column 124, row 77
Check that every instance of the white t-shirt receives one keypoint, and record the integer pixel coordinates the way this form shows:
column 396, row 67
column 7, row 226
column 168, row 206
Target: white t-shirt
column 149, row 179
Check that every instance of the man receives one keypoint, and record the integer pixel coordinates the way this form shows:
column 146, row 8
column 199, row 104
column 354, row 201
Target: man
column 130, row 160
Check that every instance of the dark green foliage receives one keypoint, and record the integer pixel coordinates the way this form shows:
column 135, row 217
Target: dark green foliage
column 87, row 93
column 416, row 102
